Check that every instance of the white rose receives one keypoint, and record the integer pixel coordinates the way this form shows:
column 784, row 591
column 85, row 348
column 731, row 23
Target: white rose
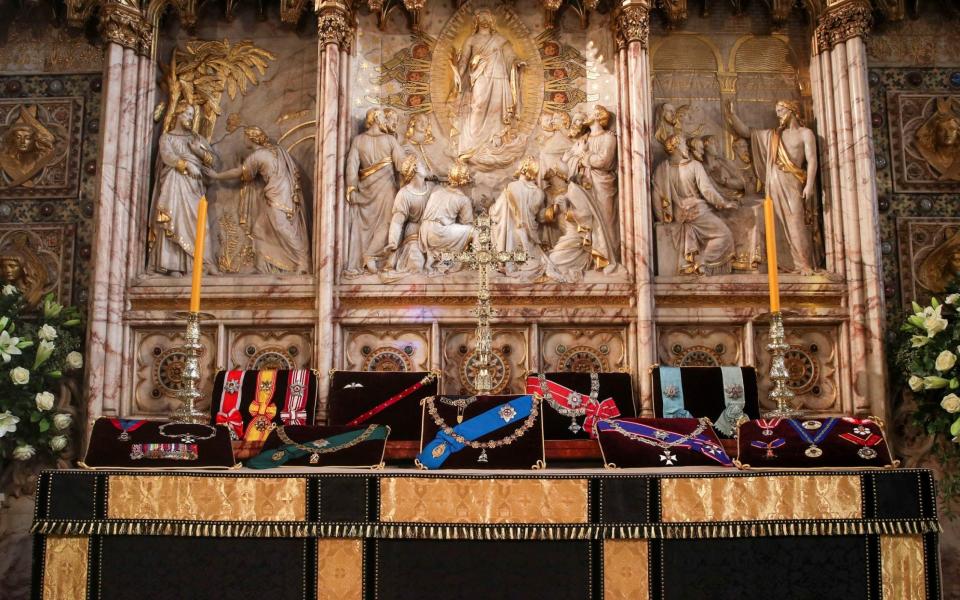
column 918, row 341
column 950, row 403
column 915, row 383
column 75, row 360
column 58, row 443
column 44, row 400
column 24, row 452
column 951, row 299
column 945, row 361
column 20, row 376
column 932, row 321
column 47, row 333
column 63, row 420
column 9, row 290
column 8, row 423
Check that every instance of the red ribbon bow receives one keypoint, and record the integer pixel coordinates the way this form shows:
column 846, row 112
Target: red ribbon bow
column 598, row 411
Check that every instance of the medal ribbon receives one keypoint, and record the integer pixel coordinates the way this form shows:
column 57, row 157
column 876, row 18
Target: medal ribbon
column 768, row 446
column 294, row 406
column 768, row 423
column 595, row 411
column 128, row 425
column 698, row 443
column 444, row 445
column 828, row 424
column 263, row 410
column 392, row 400
column 265, row 459
column 229, row 413
column 734, row 399
column 671, row 394
column 871, row 440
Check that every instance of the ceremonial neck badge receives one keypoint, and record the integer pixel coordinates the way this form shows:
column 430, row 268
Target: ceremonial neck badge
column 571, row 403
column 769, row 446
column 768, row 425
column 126, row 426
column 866, row 452
column 801, row 428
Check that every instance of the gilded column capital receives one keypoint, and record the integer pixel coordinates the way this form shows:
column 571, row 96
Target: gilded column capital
column 631, row 23
column 126, row 26
column 843, row 21
column 335, row 24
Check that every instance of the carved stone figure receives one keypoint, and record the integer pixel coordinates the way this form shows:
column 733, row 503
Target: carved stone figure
column 405, row 255
column 553, row 169
column 743, row 161
column 683, row 194
column 938, row 141
column 21, row 267
column 941, row 267
column 176, row 196
column 584, row 244
column 447, row 223
column 26, row 148
column 486, row 77
column 785, row 159
column 420, row 141
column 516, row 216
column 273, row 211
column 370, row 176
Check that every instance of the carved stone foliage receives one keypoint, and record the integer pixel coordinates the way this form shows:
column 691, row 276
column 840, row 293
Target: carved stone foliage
column 158, row 365
column 684, row 346
column 582, row 350
column 845, row 21
column 924, row 140
column 509, row 358
column 632, row 24
column 269, row 348
column 386, row 348
column 126, row 26
column 929, row 257
column 38, row 259
column 40, row 143
column 811, row 364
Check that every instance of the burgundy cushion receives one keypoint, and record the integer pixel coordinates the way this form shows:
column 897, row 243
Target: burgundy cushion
column 621, row 451
column 106, row 449
column 838, row 448
column 353, row 393
column 248, row 394
column 618, row 386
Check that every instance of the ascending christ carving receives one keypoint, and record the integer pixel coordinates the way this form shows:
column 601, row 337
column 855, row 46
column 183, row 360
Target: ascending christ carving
column 486, row 83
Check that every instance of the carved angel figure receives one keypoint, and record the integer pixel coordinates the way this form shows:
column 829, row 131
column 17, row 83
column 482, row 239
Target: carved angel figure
column 26, row 148
column 938, row 141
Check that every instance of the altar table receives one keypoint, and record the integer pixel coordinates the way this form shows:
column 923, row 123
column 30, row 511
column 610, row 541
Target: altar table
column 552, row 534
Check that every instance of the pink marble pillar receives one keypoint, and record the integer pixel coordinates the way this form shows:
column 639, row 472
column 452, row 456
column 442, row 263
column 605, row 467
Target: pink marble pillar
column 335, row 32
column 634, row 90
column 839, row 77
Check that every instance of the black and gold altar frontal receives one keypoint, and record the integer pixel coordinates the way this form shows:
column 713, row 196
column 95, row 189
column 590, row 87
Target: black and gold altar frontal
column 563, row 534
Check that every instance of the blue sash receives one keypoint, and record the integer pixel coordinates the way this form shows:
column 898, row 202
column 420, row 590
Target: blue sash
column 698, row 443
column 444, row 445
column 671, row 394
column 734, row 399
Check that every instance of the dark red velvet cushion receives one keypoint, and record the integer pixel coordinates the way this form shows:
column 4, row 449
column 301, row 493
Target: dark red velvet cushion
column 248, row 394
column 835, row 450
column 623, row 452
column 618, row 386
column 346, row 401
column 703, row 392
column 107, row 450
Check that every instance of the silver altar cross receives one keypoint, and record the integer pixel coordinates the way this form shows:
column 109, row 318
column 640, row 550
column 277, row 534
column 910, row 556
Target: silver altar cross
column 482, row 258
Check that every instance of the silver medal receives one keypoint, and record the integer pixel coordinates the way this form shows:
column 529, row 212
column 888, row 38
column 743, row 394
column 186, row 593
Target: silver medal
column 866, row 453
column 813, row 452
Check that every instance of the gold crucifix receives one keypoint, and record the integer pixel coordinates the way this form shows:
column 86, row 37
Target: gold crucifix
column 482, row 258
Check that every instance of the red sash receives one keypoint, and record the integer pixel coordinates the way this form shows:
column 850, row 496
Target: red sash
column 595, row 411
column 294, row 406
column 263, row 410
column 229, row 413
column 392, row 400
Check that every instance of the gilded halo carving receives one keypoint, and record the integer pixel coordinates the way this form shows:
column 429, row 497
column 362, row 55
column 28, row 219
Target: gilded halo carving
column 697, row 356
column 803, row 369
column 582, row 359
column 387, row 358
column 272, row 357
column 168, row 370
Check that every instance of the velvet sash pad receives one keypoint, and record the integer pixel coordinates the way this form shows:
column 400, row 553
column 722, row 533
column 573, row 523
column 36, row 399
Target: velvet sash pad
column 617, row 386
column 623, row 451
column 353, row 393
column 703, row 392
column 294, row 398
column 366, row 453
column 144, row 442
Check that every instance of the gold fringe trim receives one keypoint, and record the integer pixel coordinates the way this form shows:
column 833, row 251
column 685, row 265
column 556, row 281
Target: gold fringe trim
column 486, row 532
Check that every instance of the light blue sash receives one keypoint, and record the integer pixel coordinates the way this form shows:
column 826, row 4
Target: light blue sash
column 671, row 394
column 734, row 399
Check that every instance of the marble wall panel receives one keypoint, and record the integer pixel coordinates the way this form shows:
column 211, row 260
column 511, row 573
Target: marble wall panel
column 385, row 348
column 510, row 359
column 583, row 349
column 158, row 363
column 699, row 346
column 812, row 365
column 269, row 347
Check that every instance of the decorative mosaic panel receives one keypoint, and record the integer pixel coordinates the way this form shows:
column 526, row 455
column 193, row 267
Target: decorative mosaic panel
column 269, row 348
column 158, row 366
column 690, row 346
column 387, row 349
column 40, row 143
column 582, row 350
column 509, row 358
column 924, row 140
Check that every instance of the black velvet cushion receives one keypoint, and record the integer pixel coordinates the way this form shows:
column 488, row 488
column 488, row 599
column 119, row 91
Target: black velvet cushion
column 525, row 452
column 248, row 395
column 353, row 393
column 368, row 453
column 621, row 451
column 784, row 446
column 703, row 392
column 618, row 386
column 106, row 449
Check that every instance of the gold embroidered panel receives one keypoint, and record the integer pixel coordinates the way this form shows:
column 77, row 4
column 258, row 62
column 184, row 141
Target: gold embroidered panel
column 206, row 498
column 711, row 499
column 423, row 500
column 902, row 567
column 65, row 567
column 339, row 569
column 625, row 570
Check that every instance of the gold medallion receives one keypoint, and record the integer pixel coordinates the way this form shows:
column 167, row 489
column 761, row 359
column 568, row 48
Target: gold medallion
column 812, row 425
column 439, row 450
column 813, row 452
column 278, row 455
column 314, row 459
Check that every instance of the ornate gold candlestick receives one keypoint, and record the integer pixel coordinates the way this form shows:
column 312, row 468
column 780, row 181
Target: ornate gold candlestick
column 189, row 392
column 780, row 393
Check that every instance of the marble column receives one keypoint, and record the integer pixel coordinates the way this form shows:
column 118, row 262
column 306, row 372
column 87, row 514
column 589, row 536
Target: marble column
column 335, row 31
column 127, row 90
column 842, row 102
column 631, row 31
